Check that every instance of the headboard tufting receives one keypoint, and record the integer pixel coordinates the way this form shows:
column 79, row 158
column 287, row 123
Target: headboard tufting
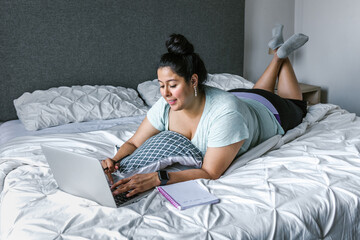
column 50, row 43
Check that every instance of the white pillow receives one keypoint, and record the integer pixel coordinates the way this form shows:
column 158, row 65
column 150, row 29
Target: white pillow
column 226, row 81
column 149, row 90
column 62, row 105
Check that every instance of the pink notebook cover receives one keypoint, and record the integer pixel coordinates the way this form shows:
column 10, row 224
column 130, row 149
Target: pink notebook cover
column 168, row 197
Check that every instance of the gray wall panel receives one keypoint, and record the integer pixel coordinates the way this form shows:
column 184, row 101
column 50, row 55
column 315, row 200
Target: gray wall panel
column 54, row 43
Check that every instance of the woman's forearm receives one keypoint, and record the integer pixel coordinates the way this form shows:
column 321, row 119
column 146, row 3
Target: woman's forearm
column 144, row 132
column 126, row 149
column 190, row 174
column 142, row 182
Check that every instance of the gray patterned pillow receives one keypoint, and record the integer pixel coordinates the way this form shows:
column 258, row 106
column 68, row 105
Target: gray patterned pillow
column 160, row 151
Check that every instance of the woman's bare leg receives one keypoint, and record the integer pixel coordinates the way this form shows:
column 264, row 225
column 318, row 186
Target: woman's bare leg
column 267, row 81
column 288, row 86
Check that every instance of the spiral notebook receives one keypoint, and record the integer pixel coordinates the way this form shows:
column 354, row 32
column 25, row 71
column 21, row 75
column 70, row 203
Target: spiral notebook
column 187, row 194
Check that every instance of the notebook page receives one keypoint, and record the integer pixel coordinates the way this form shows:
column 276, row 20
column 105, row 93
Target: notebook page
column 188, row 194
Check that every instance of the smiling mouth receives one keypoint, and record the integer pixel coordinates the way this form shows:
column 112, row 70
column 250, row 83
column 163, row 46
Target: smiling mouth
column 171, row 102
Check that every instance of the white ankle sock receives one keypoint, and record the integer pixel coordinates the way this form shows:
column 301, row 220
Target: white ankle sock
column 290, row 45
column 277, row 37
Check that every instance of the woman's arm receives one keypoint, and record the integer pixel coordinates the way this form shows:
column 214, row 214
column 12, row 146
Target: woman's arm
column 144, row 132
column 216, row 161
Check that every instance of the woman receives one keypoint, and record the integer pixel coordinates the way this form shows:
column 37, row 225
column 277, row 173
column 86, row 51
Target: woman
column 221, row 125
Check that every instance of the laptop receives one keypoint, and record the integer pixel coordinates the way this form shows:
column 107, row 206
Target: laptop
column 83, row 176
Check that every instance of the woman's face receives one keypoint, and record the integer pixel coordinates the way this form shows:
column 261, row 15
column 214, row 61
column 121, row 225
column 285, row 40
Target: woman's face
column 174, row 89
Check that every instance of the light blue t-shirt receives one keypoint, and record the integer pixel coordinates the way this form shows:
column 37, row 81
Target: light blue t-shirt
column 226, row 119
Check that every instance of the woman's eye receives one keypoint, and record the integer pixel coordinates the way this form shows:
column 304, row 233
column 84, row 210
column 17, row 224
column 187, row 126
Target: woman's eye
column 171, row 86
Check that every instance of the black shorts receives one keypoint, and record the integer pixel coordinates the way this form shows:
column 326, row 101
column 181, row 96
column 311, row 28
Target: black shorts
column 291, row 111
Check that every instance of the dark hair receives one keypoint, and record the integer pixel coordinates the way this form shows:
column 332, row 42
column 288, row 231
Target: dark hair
column 182, row 59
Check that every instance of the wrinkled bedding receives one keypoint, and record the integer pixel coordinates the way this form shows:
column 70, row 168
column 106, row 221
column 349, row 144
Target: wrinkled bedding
column 303, row 185
column 61, row 105
column 14, row 128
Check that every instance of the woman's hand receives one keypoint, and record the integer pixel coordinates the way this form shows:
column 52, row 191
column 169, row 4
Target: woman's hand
column 109, row 165
column 136, row 184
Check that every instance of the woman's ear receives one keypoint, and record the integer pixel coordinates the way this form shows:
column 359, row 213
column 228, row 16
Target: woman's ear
column 194, row 80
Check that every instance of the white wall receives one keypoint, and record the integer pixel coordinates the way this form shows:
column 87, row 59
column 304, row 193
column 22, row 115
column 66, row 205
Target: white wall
column 260, row 18
column 331, row 58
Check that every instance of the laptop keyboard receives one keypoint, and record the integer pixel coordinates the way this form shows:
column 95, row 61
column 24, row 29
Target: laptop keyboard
column 122, row 198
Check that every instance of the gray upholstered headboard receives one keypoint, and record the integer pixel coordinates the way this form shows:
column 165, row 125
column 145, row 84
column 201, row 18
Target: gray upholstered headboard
column 50, row 43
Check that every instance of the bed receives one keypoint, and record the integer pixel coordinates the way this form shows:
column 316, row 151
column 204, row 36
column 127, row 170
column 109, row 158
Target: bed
column 303, row 185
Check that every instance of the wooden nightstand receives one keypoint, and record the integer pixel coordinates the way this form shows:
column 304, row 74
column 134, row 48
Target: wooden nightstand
column 310, row 93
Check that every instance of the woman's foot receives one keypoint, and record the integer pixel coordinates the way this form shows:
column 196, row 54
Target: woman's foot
column 290, row 45
column 277, row 37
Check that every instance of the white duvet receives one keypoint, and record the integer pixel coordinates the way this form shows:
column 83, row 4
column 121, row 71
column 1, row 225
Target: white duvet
column 306, row 187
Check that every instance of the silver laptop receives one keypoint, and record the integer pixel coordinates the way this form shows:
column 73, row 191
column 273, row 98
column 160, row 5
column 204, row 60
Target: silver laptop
column 83, row 176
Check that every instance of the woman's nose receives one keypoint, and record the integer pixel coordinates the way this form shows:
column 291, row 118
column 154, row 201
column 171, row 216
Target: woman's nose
column 167, row 91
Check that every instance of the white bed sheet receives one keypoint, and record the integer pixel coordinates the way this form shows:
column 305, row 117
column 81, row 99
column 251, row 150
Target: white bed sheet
column 14, row 128
column 306, row 187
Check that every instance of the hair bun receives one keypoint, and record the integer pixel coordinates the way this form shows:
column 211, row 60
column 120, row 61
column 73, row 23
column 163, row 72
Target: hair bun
column 178, row 44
